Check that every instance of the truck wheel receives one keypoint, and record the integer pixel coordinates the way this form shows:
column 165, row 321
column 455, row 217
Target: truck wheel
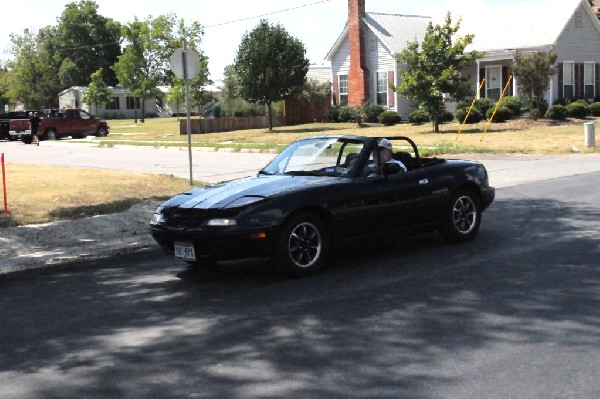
column 50, row 134
column 101, row 132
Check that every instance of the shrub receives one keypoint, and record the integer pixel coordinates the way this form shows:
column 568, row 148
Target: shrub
column 557, row 112
column 514, row 104
column 484, row 104
column 502, row 114
column 332, row 114
column 372, row 113
column 446, row 117
column 475, row 115
column 347, row 114
column 418, row 117
column 389, row 118
column 577, row 110
column 594, row 109
column 538, row 108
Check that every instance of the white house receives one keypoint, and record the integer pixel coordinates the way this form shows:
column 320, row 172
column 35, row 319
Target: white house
column 123, row 104
column 364, row 57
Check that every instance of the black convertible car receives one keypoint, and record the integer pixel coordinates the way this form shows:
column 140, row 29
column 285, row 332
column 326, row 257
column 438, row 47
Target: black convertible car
column 321, row 192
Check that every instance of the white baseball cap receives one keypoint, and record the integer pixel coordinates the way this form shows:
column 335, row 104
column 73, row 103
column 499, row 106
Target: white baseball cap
column 385, row 143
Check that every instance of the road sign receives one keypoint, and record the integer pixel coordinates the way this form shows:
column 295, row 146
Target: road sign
column 192, row 62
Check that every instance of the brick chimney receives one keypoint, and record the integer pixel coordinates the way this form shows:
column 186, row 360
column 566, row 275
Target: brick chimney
column 358, row 73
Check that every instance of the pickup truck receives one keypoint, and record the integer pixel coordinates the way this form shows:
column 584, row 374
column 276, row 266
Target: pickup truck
column 76, row 123
column 15, row 122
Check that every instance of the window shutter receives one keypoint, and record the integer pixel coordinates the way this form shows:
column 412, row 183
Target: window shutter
column 336, row 90
column 579, row 93
column 504, row 80
column 481, row 77
column 597, row 82
column 560, row 82
column 391, row 97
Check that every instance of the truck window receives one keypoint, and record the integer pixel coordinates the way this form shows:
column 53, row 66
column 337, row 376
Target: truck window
column 84, row 115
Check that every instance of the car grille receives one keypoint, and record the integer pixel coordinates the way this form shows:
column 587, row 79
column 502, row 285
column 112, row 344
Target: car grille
column 190, row 217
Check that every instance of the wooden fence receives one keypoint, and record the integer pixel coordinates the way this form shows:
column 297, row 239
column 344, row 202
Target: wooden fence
column 201, row 126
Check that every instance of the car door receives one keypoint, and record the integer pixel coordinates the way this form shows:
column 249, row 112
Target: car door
column 422, row 195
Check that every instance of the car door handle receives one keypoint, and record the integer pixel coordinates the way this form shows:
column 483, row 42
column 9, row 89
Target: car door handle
column 424, row 181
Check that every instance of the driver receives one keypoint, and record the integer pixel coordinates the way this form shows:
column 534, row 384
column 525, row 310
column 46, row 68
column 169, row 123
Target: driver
column 386, row 153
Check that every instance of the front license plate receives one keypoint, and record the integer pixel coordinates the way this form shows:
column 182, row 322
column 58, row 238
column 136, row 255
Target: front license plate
column 185, row 251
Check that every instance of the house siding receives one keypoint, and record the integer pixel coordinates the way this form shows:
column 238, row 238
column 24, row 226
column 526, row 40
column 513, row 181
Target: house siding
column 579, row 42
column 380, row 59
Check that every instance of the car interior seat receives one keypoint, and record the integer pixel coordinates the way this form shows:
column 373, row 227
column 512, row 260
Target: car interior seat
column 406, row 158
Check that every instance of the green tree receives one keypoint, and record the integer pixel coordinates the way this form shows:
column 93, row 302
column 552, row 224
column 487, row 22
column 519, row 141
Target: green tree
column 230, row 100
column 176, row 95
column 84, row 42
column 270, row 65
column 33, row 76
column 433, row 68
column 144, row 64
column 97, row 92
column 318, row 95
column 533, row 72
column 4, row 85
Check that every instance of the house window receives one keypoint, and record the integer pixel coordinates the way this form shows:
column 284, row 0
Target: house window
column 382, row 88
column 568, row 80
column 588, row 80
column 493, row 82
column 113, row 103
column 343, row 90
column 132, row 102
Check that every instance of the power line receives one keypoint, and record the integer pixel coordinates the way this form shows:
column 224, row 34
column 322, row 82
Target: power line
column 267, row 14
column 205, row 27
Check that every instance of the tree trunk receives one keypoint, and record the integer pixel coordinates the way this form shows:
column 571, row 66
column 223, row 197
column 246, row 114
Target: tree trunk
column 143, row 109
column 270, row 116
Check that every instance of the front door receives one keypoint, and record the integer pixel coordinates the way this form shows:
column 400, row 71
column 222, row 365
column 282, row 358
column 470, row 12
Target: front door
column 493, row 82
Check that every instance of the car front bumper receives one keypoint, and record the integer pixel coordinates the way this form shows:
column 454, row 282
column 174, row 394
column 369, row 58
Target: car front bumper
column 487, row 197
column 219, row 245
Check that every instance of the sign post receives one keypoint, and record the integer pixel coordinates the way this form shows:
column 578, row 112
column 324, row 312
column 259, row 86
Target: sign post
column 185, row 63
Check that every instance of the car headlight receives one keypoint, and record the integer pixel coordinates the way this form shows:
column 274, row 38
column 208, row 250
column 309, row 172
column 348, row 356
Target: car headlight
column 157, row 218
column 244, row 201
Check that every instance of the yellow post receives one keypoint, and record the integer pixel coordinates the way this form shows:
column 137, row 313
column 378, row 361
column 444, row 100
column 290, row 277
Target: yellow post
column 496, row 108
column 469, row 111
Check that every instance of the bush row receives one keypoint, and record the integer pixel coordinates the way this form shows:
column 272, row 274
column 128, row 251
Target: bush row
column 510, row 108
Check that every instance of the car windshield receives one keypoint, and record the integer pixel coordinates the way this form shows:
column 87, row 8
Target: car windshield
column 322, row 156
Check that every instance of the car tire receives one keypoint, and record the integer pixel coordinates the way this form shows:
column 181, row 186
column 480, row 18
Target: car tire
column 101, row 132
column 302, row 246
column 50, row 134
column 462, row 217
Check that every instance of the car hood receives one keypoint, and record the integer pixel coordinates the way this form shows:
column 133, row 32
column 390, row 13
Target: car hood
column 222, row 194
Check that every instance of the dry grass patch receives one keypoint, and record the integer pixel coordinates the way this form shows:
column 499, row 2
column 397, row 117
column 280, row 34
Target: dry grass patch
column 70, row 193
column 519, row 136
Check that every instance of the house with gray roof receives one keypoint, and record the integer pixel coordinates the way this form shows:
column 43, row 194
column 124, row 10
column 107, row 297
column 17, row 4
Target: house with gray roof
column 364, row 57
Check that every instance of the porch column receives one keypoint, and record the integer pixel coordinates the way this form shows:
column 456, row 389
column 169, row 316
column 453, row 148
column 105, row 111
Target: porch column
column 478, row 82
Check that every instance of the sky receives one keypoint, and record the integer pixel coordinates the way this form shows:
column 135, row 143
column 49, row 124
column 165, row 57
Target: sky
column 317, row 23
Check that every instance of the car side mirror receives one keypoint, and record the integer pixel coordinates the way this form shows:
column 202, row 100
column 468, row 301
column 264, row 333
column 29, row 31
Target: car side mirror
column 390, row 168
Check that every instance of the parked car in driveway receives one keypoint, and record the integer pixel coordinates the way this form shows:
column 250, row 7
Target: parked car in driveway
column 322, row 192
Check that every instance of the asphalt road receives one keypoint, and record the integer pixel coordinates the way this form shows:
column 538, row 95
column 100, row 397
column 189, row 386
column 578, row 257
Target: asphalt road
column 512, row 314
